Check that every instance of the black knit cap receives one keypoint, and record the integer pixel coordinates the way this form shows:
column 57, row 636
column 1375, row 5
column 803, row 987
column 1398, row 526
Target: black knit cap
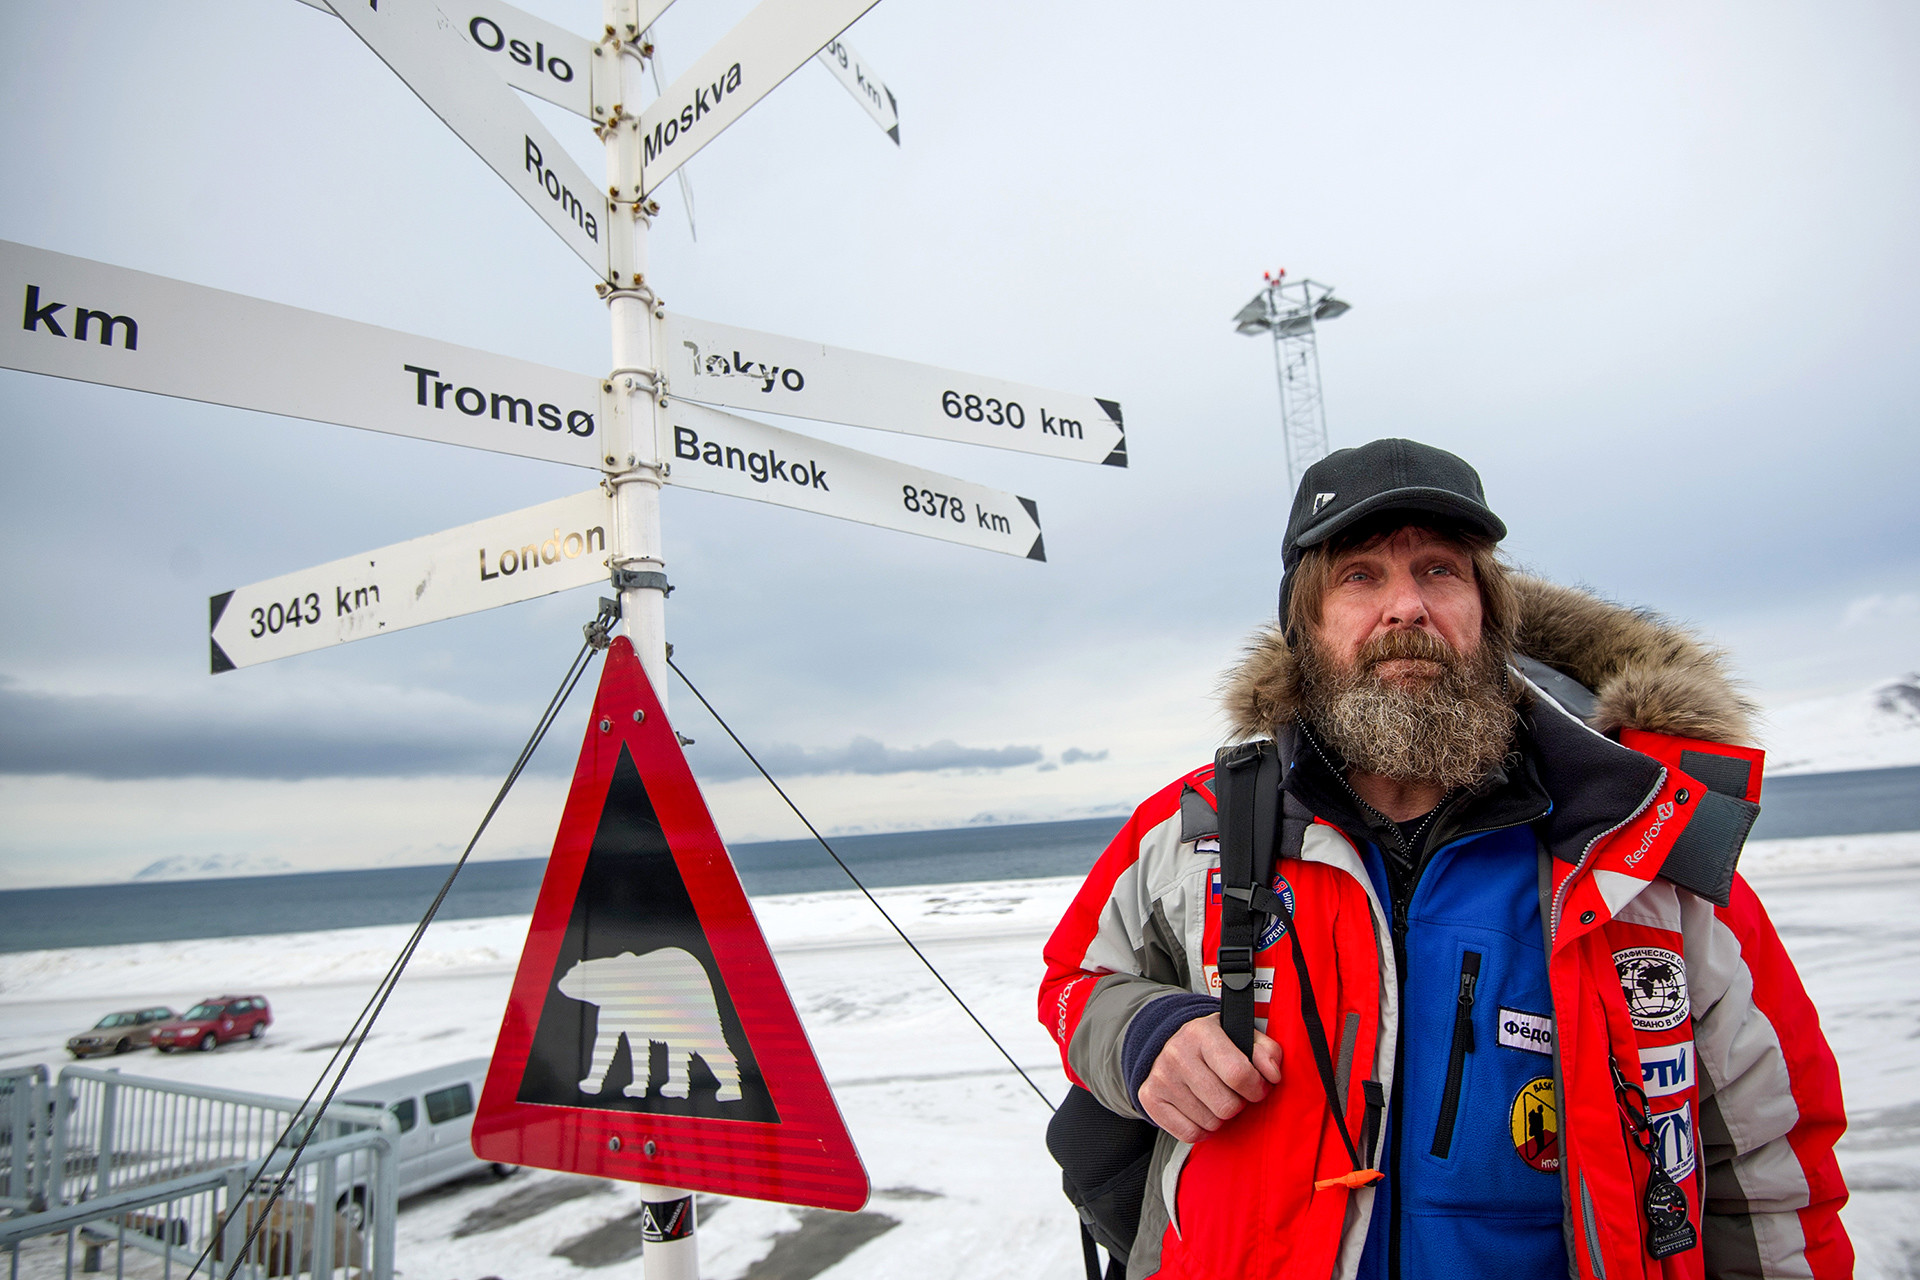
column 1351, row 485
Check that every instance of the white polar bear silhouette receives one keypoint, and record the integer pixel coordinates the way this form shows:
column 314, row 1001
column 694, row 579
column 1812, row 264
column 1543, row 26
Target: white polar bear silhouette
column 661, row 996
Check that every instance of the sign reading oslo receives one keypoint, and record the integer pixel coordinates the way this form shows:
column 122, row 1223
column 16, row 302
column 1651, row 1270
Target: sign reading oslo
column 528, row 553
column 742, row 369
column 649, row 1036
column 721, row 453
column 95, row 323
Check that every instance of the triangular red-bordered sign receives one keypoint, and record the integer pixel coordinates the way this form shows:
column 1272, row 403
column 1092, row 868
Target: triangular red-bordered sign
column 649, row 1036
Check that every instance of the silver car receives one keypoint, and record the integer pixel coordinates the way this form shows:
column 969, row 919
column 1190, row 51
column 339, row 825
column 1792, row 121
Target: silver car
column 119, row 1032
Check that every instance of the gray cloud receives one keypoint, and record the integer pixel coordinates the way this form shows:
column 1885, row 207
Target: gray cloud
column 863, row 755
column 368, row 733
column 1074, row 755
column 377, row 733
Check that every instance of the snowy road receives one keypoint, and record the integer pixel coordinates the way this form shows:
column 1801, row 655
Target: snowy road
column 953, row 1140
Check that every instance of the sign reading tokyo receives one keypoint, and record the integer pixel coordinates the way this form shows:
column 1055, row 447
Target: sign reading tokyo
column 742, row 369
column 747, row 64
column 95, row 323
column 721, row 453
column 533, row 552
column 423, row 47
column 648, row 1036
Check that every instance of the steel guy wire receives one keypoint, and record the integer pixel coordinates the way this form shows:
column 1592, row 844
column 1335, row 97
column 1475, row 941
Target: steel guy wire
column 964, row 1008
column 362, row 1026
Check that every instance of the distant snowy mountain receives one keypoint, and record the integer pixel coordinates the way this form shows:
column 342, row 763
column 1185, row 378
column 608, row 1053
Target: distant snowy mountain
column 211, row 866
column 1873, row 728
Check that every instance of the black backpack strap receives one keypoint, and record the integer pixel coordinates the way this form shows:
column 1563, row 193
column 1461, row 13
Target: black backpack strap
column 1247, row 781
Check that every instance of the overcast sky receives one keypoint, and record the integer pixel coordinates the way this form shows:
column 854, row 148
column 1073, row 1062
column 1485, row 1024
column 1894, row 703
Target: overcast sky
column 1650, row 268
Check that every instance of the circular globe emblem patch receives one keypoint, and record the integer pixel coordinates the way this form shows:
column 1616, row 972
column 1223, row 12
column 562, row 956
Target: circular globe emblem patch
column 1536, row 1125
column 1276, row 925
column 1655, row 982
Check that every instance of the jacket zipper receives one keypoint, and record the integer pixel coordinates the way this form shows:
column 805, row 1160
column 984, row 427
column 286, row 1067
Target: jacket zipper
column 1457, row 1058
column 1566, row 886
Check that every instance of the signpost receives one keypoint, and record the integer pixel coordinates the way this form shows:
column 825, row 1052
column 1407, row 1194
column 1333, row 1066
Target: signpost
column 96, row 323
column 642, row 936
column 742, row 369
column 421, row 46
column 501, row 560
column 642, row 932
column 723, row 453
column 868, row 89
column 747, row 64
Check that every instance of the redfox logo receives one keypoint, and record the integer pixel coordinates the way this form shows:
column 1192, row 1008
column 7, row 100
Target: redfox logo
column 1664, row 812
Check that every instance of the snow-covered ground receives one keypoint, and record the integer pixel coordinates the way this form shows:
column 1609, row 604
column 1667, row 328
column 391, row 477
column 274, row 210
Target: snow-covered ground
column 1876, row 727
column 952, row 1139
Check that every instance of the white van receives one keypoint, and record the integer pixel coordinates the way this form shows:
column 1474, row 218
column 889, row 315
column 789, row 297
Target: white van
column 434, row 1111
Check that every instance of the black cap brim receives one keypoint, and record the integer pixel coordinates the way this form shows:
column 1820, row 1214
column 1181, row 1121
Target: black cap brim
column 1441, row 502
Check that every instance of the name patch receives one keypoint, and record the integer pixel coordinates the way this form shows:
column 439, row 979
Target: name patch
column 1666, row 1070
column 1532, row 1032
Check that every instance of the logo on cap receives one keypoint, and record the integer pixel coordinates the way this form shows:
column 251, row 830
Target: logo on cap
column 1320, row 500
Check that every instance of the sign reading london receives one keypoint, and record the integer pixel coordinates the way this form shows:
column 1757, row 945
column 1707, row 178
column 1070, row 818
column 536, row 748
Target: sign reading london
column 96, row 323
column 518, row 556
column 742, row 369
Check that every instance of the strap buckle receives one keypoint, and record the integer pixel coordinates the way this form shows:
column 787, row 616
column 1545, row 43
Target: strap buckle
column 1236, row 967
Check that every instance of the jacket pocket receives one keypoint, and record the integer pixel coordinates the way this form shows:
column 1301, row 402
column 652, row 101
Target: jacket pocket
column 1457, row 1056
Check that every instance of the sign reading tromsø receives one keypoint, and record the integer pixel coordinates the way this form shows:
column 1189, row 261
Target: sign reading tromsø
column 748, row 63
column 528, row 553
column 421, row 46
column 96, row 323
column 721, row 453
column 742, row 369
column 648, row 1036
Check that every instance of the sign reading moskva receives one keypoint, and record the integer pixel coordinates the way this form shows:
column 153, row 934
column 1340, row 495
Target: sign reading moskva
column 747, row 64
column 742, row 369
column 517, row 556
column 720, row 453
column 422, row 46
column 95, row 323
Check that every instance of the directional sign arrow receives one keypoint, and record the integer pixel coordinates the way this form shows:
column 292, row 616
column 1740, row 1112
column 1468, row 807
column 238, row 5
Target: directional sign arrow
column 868, row 89
column 741, row 369
column 769, row 45
column 423, row 47
column 531, row 54
column 720, row 453
column 528, row 553
column 95, row 323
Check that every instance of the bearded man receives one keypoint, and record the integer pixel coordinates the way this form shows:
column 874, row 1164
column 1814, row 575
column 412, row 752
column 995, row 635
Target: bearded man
column 1515, row 1012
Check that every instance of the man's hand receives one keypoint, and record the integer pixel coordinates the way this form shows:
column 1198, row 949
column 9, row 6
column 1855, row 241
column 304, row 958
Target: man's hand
column 1200, row 1081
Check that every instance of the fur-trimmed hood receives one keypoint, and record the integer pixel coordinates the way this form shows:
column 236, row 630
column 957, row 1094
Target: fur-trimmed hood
column 1646, row 672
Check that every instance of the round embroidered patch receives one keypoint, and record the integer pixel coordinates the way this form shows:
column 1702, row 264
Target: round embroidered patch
column 1536, row 1125
column 1655, row 982
column 1276, row 926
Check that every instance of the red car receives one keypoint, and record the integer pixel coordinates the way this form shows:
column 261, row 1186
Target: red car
column 213, row 1022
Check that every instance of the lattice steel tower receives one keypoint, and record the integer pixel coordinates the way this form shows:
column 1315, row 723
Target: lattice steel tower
column 1291, row 311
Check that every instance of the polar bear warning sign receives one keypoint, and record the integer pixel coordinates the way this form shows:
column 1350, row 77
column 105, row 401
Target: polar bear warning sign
column 649, row 1036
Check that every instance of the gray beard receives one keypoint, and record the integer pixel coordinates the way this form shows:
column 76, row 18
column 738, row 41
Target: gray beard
column 1450, row 730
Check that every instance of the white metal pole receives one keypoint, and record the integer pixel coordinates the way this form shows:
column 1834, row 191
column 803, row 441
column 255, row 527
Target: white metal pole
column 634, row 470
column 671, row 1250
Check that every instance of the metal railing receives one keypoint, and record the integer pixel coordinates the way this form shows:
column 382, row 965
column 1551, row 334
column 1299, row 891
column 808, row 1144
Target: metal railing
column 155, row 1167
column 26, row 1129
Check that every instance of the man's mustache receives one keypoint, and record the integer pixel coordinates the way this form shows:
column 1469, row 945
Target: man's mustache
column 1420, row 645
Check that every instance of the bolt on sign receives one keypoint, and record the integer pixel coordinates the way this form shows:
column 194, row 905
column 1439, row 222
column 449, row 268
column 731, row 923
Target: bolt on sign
column 649, row 1036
